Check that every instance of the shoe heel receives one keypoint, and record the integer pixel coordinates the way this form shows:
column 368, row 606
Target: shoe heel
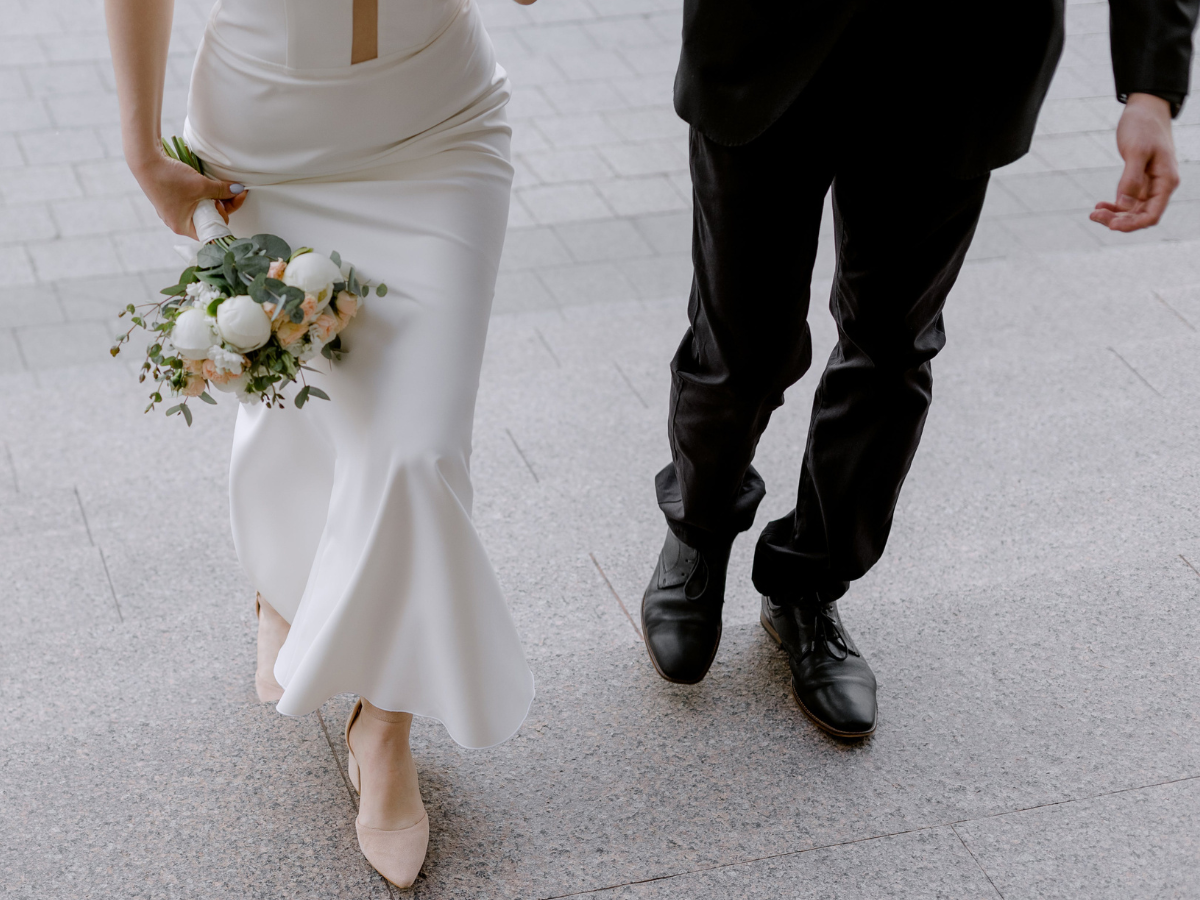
column 769, row 628
column 351, row 762
column 352, row 769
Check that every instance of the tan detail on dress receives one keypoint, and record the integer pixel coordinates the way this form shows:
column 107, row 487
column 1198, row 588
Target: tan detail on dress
column 365, row 43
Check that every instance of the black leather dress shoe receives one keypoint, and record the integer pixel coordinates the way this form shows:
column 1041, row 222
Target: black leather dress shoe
column 681, row 610
column 830, row 680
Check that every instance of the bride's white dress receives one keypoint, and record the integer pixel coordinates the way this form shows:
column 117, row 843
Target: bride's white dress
column 353, row 517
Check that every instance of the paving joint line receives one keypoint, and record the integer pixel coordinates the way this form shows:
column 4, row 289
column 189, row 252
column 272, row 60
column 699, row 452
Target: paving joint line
column 1178, row 314
column 83, row 514
column 1129, row 366
column 549, row 349
column 337, row 762
column 954, row 828
column 12, row 467
column 616, row 596
column 863, row 840
column 1188, row 563
column 524, row 458
column 112, row 590
column 621, row 372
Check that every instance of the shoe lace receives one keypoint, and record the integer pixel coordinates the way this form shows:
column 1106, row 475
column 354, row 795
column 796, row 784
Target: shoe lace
column 828, row 629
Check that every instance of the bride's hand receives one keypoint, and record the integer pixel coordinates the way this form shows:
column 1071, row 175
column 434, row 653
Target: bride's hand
column 175, row 189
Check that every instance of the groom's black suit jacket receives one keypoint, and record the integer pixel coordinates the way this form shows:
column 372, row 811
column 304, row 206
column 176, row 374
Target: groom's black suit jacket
column 953, row 83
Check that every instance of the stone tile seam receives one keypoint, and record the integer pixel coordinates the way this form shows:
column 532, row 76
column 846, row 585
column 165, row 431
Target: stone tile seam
column 524, row 458
column 1174, row 311
column 99, row 550
column 616, row 596
column 12, row 467
column 625, row 378
column 1141, row 377
column 954, row 828
column 876, row 837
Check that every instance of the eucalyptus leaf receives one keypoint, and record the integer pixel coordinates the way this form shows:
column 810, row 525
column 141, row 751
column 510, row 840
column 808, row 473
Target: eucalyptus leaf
column 229, row 267
column 187, row 413
column 271, row 290
column 302, row 397
column 210, row 256
column 273, row 246
column 337, row 258
column 207, row 399
column 251, row 267
column 216, row 280
column 317, row 392
column 381, row 291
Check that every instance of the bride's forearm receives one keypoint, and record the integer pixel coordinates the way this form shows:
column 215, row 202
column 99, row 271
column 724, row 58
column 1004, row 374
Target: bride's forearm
column 139, row 33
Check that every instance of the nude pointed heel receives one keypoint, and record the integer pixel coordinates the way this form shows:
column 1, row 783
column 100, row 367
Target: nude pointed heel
column 396, row 855
column 268, row 689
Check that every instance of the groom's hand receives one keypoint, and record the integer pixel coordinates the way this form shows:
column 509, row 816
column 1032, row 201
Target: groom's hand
column 1151, row 173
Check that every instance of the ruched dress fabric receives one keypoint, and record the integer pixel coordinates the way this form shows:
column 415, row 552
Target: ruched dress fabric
column 353, row 517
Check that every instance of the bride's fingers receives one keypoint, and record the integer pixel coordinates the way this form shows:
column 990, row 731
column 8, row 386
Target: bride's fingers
column 227, row 207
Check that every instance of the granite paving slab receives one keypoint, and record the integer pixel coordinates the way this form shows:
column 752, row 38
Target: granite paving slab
column 1126, row 846
column 143, row 766
column 999, row 699
column 930, row 864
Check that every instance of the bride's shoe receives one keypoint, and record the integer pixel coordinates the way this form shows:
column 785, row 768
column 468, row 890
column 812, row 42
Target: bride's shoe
column 396, row 855
column 272, row 632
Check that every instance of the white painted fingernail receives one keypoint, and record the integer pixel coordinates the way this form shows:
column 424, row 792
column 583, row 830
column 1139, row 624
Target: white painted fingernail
column 236, row 188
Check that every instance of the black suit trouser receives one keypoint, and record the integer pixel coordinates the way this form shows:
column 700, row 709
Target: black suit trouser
column 901, row 235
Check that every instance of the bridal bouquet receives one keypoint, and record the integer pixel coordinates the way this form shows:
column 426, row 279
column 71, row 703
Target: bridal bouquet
column 246, row 317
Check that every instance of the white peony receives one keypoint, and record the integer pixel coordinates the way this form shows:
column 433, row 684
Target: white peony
column 193, row 333
column 243, row 324
column 314, row 274
column 201, row 293
column 225, row 360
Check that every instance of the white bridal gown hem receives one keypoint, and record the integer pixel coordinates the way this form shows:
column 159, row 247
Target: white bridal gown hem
column 352, row 517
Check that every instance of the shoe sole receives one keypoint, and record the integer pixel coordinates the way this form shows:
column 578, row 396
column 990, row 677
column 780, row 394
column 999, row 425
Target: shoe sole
column 824, row 726
column 654, row 662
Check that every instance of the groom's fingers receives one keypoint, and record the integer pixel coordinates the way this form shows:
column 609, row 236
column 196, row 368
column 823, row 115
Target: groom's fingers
column 1145, row 188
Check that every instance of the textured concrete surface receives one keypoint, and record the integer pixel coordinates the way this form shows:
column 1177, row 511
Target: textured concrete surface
column 1033, row 625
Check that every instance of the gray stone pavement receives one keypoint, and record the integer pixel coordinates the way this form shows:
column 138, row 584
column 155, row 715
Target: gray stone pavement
column 1034, row 623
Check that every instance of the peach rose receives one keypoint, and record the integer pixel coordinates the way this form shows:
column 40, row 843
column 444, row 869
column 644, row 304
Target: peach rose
column 276, row 269
column 195, row 386
column 221, row 376
column 309, row 308
column 269, row 309
column 290, row 332
column 347, row 307
column 324, row 328
column 194, row 366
